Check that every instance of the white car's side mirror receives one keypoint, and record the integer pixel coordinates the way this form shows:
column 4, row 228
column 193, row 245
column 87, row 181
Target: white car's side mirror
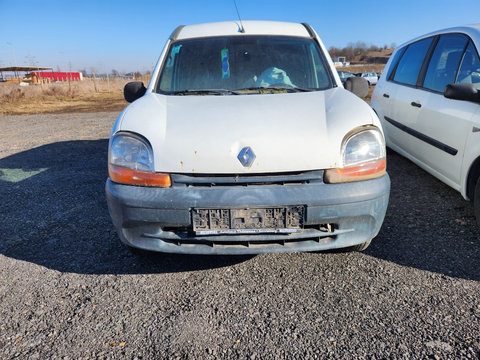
column 466, row 92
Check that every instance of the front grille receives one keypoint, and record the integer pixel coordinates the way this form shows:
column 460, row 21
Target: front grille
column 208, row 180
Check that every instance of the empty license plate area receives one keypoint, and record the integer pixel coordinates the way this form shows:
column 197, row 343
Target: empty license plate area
column 285, row 219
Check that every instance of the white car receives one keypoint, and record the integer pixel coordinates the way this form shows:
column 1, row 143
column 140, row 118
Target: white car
column 429, row 104
column 246, row 142
column 371, row 77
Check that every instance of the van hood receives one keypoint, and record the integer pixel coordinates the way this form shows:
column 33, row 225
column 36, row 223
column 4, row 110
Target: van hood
column 280, row 132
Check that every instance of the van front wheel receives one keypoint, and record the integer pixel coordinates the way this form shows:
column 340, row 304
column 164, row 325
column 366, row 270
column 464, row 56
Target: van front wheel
column 360, row 247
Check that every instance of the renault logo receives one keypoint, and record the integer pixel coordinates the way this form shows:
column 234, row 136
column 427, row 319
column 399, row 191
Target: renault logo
column 246, row 156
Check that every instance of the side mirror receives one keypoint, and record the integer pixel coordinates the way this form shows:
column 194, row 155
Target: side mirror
column 466, row 92
column 357, row 85
column 134, row 90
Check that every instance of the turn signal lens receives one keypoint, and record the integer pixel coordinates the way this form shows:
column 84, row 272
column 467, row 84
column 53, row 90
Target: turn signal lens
column 365, row 171
column 127, row 176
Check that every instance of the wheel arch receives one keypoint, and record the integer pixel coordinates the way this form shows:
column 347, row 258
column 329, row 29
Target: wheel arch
column 473, row 175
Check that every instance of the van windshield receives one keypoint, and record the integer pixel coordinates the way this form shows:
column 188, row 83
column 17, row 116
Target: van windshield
column 243, row 65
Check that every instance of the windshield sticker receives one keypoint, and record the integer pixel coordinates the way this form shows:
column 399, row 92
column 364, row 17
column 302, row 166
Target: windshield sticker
column 225, row 65
column 173, row 53
column 176, row 49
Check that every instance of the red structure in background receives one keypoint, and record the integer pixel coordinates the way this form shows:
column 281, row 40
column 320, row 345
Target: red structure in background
column 58, row 75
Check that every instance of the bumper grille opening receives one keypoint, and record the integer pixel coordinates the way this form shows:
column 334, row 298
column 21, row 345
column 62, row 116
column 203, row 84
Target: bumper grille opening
column 327, row 227
column 184, row 236
column 184, row 232
column 246, row 244
column 207, row 180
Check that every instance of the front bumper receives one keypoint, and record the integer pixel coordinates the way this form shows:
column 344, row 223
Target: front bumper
column 337, row 215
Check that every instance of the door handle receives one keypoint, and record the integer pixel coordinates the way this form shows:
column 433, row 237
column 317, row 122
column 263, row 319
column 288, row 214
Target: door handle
column 413, row 103
column 386, row 95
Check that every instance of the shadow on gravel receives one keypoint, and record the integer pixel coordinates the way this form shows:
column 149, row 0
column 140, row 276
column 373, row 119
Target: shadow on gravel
column 428, row 225
column 54, row 214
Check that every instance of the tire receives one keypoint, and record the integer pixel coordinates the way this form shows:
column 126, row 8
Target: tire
column 360, row 247
column 476, row 201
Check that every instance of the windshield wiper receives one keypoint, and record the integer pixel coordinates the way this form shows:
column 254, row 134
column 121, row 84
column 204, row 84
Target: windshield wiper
column 204, row 92
column 288, row 89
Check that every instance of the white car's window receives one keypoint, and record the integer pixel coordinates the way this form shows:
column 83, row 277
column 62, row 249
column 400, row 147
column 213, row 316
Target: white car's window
column 394, row 61
column 411, row 62
column 469, row 71
column 237, row 63
column 444, row 62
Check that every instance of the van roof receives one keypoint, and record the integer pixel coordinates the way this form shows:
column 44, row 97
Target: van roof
column 251, row 27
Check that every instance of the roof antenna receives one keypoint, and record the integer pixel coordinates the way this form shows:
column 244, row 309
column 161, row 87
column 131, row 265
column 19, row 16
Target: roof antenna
column 242, row 30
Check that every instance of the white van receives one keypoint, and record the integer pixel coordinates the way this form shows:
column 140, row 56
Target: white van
column 245, row 142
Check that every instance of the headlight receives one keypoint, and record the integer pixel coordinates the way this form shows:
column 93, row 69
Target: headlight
column 363, row 157
column 130, row 161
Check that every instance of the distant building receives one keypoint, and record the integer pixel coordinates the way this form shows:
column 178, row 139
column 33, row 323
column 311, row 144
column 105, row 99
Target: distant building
column 341, row 61
column 58, row 75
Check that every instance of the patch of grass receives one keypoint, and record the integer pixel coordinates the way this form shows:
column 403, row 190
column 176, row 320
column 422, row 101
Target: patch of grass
column 80, row 96
column 65, row 104
column 378, row 68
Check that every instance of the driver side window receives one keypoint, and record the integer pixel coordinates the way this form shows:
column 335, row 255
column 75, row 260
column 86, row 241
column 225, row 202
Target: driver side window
column 444, row 63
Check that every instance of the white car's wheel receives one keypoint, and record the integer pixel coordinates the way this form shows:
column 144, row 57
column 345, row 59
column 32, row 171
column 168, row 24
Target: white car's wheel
column 476, row 201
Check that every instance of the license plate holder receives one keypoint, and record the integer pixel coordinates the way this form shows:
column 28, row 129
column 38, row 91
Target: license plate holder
column 251, row 220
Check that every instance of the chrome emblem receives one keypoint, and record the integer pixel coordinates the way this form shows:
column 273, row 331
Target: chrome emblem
column 246, row 156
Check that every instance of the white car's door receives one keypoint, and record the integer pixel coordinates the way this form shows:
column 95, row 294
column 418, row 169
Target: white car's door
column 404, row 119
column 443, row 125
column 403, row 98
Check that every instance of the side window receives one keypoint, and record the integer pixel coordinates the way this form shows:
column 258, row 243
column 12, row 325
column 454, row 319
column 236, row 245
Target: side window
column 444, row 63
column 469, row 71
column 394, row 62
column 321, row 80
column 411, row 62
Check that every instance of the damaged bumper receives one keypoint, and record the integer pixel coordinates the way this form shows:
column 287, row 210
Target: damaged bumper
column 325, row 216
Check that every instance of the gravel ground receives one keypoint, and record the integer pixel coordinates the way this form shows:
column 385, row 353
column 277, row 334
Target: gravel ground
column 69, row 289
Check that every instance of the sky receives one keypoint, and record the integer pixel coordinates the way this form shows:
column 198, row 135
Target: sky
column 128, row 36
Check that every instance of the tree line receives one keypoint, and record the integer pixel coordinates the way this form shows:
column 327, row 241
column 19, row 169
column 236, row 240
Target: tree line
column 355, row 49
